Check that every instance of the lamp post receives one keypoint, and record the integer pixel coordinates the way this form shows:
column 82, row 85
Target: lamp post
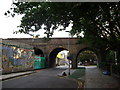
column 68, row 52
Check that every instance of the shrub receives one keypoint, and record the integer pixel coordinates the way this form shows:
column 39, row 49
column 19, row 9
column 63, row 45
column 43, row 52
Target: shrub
column 116, row 69
column 104, row 66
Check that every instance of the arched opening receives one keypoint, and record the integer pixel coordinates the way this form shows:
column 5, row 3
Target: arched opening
column 53, row 60
column 87, row 57
column 39, row 59
column 38, row 52
column 62, row 59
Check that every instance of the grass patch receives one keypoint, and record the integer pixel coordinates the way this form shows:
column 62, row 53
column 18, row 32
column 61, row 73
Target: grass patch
column 78, row 73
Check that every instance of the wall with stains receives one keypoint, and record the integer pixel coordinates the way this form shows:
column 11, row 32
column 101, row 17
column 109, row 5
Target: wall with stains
column 16, row 58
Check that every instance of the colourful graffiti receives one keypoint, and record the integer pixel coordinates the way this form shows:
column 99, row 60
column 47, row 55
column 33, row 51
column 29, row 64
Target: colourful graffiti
column 16, row 59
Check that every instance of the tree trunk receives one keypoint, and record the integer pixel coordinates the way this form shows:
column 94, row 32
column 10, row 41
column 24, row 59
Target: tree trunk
column 118, row 56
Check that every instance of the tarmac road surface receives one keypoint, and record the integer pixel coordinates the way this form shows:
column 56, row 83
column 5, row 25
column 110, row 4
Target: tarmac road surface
column 46, row 78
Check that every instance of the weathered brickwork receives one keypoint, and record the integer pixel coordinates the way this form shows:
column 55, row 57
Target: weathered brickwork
column 16, row 56
column 54, row 45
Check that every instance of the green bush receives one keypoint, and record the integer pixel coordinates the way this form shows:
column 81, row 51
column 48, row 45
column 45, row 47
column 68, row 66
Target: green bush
column 104, row 66
column 116, row 69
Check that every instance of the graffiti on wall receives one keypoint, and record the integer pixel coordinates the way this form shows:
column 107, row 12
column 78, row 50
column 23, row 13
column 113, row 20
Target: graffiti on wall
column 14, row 57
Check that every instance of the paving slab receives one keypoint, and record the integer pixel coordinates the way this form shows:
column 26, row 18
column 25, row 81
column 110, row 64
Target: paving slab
column 94, row 78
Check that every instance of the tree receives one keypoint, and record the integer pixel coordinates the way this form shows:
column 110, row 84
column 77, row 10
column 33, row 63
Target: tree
column 110, row 57
column 99, row 22
column 87, row 56
column 38, row 14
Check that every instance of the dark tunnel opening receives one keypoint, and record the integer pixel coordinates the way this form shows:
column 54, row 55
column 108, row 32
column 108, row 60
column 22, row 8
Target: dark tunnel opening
column 53, row 55
column 38, row 52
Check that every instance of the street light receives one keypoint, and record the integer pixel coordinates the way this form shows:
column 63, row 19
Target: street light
column 69, row 51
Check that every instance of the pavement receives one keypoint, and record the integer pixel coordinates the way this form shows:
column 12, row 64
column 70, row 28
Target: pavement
column 93, row 78
column 13, row 75
column 46, row 78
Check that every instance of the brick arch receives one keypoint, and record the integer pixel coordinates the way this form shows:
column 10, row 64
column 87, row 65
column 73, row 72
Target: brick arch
column 87, row 48
column 38, row 51
column 48, row 46
column 53, row 54
column 74, row 51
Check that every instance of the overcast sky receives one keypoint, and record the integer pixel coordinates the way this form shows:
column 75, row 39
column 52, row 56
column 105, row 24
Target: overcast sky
column 9, row 24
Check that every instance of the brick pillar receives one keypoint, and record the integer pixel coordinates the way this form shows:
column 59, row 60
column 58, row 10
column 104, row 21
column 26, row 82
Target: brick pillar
column 74, row 61
column 47, row 59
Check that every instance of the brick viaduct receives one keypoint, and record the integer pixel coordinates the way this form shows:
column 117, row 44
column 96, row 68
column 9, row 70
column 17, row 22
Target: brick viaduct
column 52, row 47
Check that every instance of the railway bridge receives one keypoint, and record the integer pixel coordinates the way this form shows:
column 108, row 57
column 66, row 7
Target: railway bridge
column 50, row 48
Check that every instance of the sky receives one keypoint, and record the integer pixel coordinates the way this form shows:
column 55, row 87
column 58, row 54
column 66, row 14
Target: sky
column 8, row 24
